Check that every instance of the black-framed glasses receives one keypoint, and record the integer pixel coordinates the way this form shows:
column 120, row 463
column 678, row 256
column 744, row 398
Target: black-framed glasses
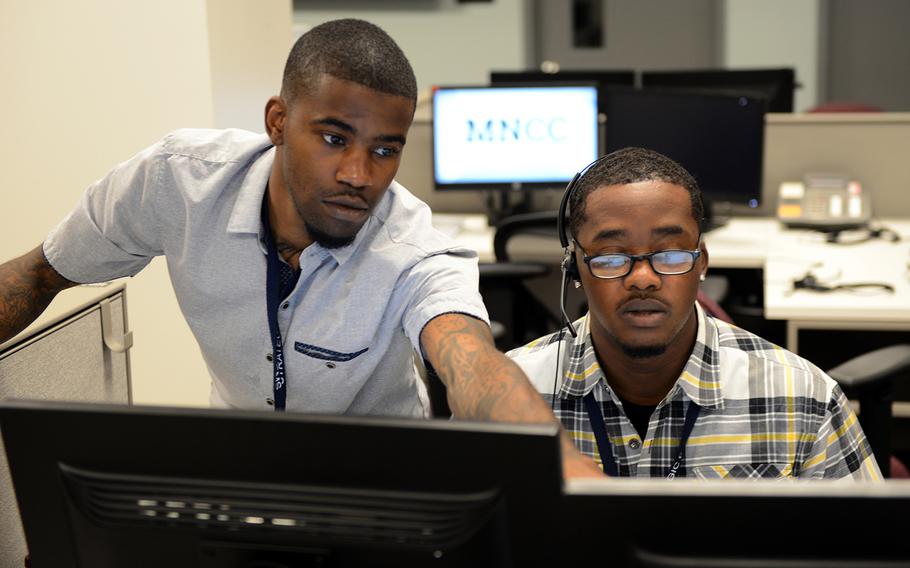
column 616, row 264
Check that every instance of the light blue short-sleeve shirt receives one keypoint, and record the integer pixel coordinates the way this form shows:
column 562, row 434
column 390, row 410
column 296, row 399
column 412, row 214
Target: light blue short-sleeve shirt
column 351, row 325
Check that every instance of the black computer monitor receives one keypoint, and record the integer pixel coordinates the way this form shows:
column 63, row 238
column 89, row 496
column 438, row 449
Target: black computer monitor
column 604, row 79
column 736, row 523
column 718, row 138
column 115, row 486
column 776, row 85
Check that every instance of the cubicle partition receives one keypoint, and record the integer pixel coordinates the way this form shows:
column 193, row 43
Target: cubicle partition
column 77, row 352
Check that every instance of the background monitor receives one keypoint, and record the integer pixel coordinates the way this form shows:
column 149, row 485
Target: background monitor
column 114, row 486
column 604, row 79
column 776, row 85
column 718, row 138
column 517, row 137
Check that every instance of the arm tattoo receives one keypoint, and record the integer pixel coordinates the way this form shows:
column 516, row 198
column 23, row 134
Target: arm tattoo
column 484, row 384
column 481, row 382
column 27, row 286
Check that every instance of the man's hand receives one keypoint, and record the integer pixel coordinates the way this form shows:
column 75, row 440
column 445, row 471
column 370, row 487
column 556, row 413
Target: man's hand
column 483, row 384
column 27, row 286
column 574, row 463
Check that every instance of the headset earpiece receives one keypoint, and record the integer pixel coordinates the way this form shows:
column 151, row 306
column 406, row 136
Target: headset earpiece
column 570, row 267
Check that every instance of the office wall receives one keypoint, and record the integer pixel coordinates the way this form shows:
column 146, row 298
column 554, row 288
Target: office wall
column 655, row 35
column 778, row 33
column 869, row 55
column 86, row 85
column 446, row 42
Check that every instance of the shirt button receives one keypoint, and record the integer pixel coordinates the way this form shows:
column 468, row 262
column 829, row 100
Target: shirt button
column 330, row 365
column 635, row 444
column 285, row 305
column 270, row 402
column 268, row 356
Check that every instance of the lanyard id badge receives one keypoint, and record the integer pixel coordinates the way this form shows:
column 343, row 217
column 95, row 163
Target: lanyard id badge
column 595, row 415
column 273, row 301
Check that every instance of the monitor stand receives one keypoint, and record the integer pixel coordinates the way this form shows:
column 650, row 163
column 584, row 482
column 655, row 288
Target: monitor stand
column 500, row 204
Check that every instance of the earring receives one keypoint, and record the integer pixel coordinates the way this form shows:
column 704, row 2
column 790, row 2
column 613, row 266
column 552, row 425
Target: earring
column 701, row 278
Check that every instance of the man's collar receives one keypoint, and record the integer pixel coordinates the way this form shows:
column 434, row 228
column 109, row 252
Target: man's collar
column 699, row 380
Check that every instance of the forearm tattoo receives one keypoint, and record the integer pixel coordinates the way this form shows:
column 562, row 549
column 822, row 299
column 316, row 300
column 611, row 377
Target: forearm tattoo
column 27, row 286
column 481, row 382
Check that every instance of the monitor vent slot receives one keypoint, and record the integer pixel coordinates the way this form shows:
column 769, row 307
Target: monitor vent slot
column 307, row 513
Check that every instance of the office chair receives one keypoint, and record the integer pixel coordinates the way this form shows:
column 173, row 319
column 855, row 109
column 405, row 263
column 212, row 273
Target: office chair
column 502, row 283
column 871, row 378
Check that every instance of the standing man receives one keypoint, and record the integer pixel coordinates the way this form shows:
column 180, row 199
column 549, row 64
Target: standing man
column 308, row 276
column 649, row 385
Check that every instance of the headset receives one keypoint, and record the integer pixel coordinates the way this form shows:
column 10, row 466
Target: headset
column 569, row 264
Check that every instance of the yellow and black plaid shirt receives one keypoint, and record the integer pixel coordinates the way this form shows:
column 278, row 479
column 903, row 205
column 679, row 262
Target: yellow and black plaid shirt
column 765, row 412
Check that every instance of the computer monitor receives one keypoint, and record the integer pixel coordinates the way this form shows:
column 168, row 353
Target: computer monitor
column 519, row 137
column 114, row 486
column 604, row 79
column 776, row 85
column 736, row 523
column 718, row 138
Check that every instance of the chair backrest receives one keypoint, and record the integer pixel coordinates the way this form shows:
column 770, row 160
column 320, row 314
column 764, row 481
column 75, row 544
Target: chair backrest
column 540, row 222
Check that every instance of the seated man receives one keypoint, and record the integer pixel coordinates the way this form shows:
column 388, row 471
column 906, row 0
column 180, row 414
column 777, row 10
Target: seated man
column 647, row 383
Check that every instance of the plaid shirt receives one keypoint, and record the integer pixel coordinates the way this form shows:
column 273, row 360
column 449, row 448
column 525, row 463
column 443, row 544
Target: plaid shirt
column 765, row 412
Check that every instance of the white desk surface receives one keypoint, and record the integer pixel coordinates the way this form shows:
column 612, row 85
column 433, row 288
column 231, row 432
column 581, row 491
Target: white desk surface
column 795, row 253
column 785, row 255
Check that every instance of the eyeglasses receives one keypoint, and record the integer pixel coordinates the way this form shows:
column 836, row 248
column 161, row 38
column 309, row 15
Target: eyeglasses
column 617, row 264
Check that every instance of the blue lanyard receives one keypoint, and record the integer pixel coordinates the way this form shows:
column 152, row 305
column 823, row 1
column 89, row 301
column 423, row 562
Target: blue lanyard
column 273, row 300
column 595, row 415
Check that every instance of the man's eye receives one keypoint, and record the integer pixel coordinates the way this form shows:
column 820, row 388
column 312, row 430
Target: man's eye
column 386, row 151
column 333, row 139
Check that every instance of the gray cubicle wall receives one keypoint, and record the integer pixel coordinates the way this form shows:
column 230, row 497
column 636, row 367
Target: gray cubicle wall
column 80, row 355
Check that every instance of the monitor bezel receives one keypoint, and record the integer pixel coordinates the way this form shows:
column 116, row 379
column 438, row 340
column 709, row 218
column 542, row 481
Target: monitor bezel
column 731, row 80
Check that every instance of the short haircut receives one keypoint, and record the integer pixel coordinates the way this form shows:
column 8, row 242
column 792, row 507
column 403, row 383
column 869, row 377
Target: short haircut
column 631, row 165
column 352, row 50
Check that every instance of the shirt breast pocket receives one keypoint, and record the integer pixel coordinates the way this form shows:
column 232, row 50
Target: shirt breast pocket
column 744, row 471
column 329, row 355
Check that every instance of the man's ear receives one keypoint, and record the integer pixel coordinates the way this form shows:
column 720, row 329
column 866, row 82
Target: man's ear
column 275, row 116
column 703, row 258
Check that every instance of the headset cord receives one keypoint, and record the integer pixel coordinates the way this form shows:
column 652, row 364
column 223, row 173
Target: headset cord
column 811, row 282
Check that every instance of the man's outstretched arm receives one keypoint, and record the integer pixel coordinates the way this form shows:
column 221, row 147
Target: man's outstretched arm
column 27, row 286
column 483, row 384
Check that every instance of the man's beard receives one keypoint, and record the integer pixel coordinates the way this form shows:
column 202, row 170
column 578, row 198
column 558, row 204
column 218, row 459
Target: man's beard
column 642, row 351
column 326, row 240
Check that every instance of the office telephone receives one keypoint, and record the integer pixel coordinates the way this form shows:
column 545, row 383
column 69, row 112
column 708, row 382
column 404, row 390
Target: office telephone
column 826, row 202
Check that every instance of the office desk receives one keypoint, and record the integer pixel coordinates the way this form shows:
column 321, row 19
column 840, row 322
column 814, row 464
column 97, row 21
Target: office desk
column 783, row 255
column 878, row 260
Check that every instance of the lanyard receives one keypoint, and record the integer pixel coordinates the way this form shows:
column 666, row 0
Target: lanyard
column 595, row 414
column 273, row 299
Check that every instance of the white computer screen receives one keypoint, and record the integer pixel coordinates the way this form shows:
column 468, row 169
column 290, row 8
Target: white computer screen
column 511, row 136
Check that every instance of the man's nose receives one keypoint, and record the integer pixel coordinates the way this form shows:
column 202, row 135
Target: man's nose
column 354, row 169
column 642, row 276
